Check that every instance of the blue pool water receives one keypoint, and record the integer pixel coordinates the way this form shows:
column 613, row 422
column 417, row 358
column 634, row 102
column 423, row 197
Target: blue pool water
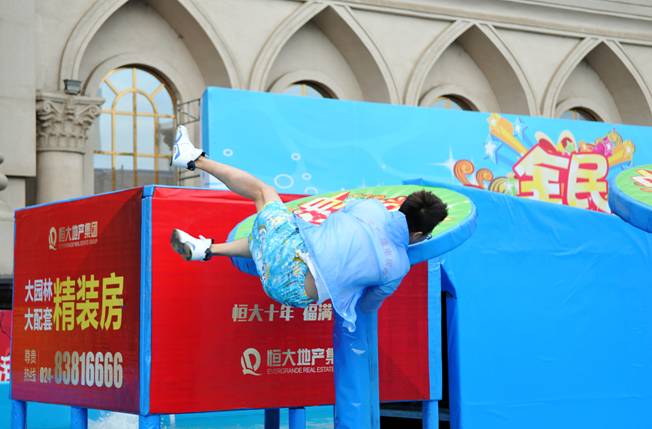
column 45, row 416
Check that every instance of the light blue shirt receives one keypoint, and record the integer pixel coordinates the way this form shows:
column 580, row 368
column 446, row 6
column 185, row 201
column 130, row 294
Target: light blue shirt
column 357, row 253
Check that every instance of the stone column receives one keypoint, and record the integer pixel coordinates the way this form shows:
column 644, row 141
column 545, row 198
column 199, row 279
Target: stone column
column 3, row 179
column 6, row 229
column 6, row 213
column 62, row 122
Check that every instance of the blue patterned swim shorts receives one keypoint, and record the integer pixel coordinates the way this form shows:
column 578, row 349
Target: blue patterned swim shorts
column 276, row 248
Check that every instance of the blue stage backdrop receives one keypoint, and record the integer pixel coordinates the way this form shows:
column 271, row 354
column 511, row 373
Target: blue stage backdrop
column 308, row 146
column 549, row 306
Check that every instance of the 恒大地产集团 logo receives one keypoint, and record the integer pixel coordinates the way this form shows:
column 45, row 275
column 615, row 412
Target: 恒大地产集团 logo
column 77, row 235
column 52, row 240
column 250, row 361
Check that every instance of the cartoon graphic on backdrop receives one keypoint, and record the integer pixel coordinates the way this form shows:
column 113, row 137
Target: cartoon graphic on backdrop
column 568, row 172
column 557, row 160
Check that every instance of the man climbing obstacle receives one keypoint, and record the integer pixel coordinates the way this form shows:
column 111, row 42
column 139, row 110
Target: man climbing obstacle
column 358, row 253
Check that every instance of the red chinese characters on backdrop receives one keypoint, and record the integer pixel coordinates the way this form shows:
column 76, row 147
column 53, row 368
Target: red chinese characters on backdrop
column 76, row 302
column 568, row 172
column 576, row 179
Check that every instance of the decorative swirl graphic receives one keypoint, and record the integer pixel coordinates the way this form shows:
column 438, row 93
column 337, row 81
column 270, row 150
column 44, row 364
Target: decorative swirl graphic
column 504, row 185
column 484, row 175
column 462, row 169
column 498, row 185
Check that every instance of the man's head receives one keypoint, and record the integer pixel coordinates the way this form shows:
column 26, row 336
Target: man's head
column 423, row 211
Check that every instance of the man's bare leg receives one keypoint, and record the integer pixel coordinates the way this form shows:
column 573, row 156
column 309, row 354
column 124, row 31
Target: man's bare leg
column 232, row 248
column 241, row 248
column 249, row 186
column 310, row 287
column 244, row 184
column 240, row 182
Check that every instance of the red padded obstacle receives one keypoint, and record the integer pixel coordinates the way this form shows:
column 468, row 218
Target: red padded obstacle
column 195, row 336
column 197, row 346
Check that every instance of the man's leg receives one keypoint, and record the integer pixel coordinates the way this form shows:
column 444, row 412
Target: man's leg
column 249, row 186
column 232, row 248
column 240, row 182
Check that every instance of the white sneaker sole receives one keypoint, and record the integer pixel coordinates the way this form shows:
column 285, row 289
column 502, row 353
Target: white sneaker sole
column 181, row 248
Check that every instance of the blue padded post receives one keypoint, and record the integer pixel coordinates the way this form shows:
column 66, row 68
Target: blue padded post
column 297, row 418
column 272, row 418
column 145, row 352
column 357, row 399
column 18, row 414
column 78, row 418
column 430, row 415
column 149, row 422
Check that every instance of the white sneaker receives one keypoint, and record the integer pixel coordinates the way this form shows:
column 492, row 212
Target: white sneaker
column 191, row 248
column 185, row 153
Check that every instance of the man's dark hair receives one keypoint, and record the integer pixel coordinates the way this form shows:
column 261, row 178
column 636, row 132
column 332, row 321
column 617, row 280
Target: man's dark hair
column 423, row 211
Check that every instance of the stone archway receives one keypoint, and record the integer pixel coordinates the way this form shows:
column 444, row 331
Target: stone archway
column 340, row 27
column 100, row 12
column 627, row 92
column 484, row 46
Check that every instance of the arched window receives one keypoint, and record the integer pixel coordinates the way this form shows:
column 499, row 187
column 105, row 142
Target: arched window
column 309, row 89
column 581, row 114
column 136, row 130
column 452, row 102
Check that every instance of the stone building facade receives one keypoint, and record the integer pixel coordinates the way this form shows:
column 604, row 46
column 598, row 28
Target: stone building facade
column 140, row 63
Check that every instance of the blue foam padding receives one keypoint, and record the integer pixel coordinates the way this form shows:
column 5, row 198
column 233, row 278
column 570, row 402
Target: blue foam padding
column 357, row 404
column 149, row 422
column 550, row 325
column 430, row 416
column 73, row 199
column 18, row 414
column 547, row 306
column 78, row 418
column 634, row 212
column 434, row 329
column 145, row 358
column 297, row 418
